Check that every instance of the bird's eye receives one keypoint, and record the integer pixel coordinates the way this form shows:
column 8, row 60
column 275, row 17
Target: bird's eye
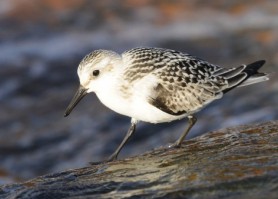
column 95, row 72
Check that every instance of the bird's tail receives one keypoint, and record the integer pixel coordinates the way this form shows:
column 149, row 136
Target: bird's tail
column 244, row 75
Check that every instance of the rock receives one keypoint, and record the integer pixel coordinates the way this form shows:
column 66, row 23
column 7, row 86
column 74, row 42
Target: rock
column 239, row 162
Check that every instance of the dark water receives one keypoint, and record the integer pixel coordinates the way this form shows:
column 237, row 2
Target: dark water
column 42, row 43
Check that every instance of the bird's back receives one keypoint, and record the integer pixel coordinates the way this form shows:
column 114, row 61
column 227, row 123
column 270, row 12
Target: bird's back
column 184, row 83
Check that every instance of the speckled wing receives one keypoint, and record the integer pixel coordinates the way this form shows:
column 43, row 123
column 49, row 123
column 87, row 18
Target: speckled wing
column 184, row 83
column 186, row 86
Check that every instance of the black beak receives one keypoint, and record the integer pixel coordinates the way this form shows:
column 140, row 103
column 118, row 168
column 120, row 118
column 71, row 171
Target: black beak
column 81, row 92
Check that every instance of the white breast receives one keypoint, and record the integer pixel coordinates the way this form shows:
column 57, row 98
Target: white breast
column 135, row 105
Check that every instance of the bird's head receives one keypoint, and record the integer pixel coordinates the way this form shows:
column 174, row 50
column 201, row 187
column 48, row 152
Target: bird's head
column 94, row 70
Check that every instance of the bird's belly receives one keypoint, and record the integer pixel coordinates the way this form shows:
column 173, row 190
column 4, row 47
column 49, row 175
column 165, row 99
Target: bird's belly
column 146, row 112
column 137, row 108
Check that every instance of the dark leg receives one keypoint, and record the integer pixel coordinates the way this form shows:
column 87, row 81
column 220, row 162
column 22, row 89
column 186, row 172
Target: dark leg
column 130, row 131
column 191, row 121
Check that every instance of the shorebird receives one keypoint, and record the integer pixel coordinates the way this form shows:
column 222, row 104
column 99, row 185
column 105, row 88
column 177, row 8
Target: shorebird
column 157, row 85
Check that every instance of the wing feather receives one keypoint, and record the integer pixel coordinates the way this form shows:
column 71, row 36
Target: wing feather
column 185, row 83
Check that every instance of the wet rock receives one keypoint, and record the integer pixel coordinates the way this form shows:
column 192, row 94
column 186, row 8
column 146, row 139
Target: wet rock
column 239, row 162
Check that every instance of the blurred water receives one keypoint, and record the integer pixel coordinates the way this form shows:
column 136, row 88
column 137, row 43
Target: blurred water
column 42, row 43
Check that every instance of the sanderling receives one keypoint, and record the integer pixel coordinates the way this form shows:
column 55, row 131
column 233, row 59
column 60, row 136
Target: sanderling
column 157, row 85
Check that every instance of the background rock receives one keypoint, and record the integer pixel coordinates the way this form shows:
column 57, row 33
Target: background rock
column 238, row 162
column 42, row 42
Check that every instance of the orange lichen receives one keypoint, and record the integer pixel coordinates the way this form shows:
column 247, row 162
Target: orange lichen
column 192, row 177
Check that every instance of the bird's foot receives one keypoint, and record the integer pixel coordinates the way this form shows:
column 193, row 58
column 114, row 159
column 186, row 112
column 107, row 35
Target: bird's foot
column 175, row 145
column 112, row 158
column 96, row 163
